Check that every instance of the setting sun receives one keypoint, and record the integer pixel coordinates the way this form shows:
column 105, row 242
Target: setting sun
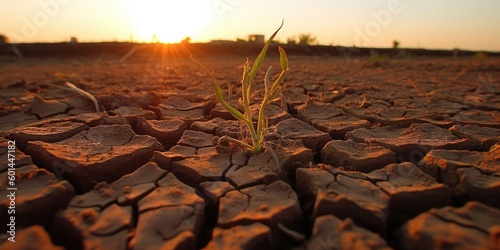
column 167, row 21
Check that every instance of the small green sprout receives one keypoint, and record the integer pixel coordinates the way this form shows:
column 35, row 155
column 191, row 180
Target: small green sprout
column 270, row 90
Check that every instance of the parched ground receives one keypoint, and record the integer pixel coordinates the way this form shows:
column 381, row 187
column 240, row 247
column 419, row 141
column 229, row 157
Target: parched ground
column 360, row 154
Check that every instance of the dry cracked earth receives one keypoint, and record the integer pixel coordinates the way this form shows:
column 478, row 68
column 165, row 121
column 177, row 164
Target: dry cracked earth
column 399, row 154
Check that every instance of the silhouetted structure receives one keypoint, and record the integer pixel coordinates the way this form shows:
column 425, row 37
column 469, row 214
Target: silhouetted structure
column 255, row 38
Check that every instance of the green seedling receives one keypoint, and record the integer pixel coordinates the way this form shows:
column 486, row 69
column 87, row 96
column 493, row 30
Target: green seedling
column 270, row 90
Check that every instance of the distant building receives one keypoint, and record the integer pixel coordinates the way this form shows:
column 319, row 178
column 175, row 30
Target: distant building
column 256, row 38
column 73, row 40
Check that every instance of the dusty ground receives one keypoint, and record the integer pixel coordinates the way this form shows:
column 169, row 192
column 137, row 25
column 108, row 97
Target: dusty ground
column 398, row 153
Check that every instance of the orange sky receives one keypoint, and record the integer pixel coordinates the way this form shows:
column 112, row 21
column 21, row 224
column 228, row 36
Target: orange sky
column 366, row 23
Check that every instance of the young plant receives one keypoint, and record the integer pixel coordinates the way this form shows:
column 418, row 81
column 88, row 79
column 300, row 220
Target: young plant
column 270, row 90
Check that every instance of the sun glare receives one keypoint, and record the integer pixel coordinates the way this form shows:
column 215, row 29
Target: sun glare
column 167, row 21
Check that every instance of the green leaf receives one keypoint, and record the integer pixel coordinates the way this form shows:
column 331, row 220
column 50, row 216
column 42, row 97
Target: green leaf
column 284, row 67
column 283, row 59
column 275, row 86
column 266, row 79
column 220, row 97
column 260, row 58
column 245, row 86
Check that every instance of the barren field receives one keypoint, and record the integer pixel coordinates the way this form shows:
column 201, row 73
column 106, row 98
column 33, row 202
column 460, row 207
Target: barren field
column 360, row 154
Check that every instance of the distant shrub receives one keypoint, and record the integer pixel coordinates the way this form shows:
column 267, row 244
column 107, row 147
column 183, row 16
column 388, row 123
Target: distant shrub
column 4, row 39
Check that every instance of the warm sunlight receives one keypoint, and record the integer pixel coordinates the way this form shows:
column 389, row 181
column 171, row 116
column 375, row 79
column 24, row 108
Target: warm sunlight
column 167, row 21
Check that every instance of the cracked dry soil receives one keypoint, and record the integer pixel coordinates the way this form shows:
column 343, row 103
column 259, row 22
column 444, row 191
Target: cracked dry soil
column 403, row 154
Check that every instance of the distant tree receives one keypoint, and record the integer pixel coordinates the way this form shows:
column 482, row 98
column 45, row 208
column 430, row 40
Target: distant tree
column 291, row 40
column 4, row 39
column 277, row 41
column 186, row 40
column 306, row 39
column 395, row 44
